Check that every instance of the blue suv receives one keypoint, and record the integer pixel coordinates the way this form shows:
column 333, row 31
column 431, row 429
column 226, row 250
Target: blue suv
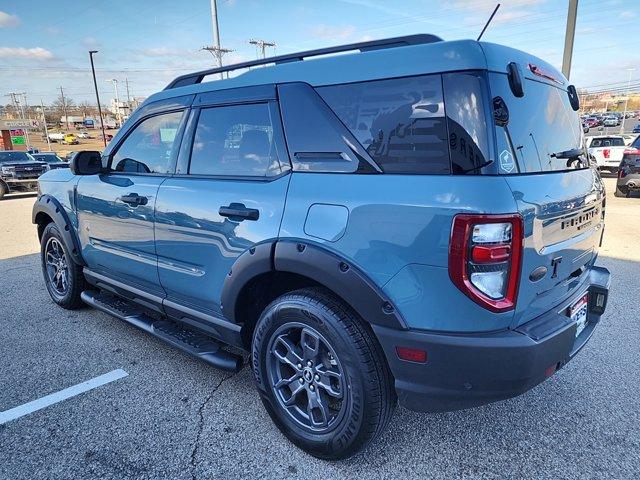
column 415, row 222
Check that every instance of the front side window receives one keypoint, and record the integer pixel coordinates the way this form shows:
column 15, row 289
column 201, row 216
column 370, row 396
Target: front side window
column 400, row 122
column 234, row 140
column 149, row 148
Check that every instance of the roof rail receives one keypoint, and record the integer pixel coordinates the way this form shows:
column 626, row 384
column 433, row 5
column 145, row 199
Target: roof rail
column 197, row 77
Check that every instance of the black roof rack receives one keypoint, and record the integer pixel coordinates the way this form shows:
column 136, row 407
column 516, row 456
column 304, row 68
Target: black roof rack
column 197, row 77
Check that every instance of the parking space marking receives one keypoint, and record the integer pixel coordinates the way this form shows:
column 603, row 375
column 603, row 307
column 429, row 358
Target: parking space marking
column 53, row 398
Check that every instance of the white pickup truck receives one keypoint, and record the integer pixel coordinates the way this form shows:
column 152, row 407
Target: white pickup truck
column 607, row 150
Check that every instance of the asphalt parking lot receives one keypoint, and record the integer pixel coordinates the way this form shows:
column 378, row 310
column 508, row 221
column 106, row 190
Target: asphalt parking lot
column 177, row 418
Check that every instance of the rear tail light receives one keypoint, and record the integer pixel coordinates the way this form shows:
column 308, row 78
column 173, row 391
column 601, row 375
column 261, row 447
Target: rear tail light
column 631, row 151
column 621, row 173
column 484, row 258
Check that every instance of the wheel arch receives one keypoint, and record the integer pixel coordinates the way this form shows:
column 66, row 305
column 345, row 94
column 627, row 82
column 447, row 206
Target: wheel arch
column 273, row 268
column 48, row 209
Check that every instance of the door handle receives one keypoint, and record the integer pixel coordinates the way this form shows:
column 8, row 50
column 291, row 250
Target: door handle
column 237, row 211
column 134, row 199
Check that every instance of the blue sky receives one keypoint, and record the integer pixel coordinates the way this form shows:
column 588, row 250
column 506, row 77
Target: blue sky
column 44, row 43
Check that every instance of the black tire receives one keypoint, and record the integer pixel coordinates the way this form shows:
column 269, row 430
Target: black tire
column 3, row 190
column 346, row 349
column 64, row 289
column 622, row 192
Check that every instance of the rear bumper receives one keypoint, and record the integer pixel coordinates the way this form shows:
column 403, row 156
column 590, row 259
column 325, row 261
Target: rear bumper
column 464, row 371
column 631, row 181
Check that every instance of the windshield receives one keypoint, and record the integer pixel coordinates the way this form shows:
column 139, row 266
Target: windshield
column 47, row 158
column 6, row 157
column 541, row 127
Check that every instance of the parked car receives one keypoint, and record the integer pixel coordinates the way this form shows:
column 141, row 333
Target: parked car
column 64, row 138
column 592, row 122
column 585, row 127
column 340, row 219
column 611, row 121
column 53, row 161
column 636, row 129
column 607, row 151
column 19, row 172
column 84, row 135
column 629, row 172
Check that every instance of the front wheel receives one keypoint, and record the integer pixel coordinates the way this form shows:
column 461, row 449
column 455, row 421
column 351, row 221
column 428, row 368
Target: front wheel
column 3, row 190
column 62, row 276
column 321, row 374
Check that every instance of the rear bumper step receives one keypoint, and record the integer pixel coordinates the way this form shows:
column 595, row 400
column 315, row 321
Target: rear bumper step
column 187, row 339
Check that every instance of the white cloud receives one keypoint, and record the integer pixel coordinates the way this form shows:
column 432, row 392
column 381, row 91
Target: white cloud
column 37, row 53
column 628, row 14
column 329, row 32
column 161, row 52
column 8, row 20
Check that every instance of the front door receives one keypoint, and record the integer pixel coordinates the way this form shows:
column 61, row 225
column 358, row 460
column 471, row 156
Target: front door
column 116, row 209
column 229, row 197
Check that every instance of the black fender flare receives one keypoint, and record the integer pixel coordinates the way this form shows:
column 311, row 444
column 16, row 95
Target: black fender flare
column 51, row 207
column 313, row 261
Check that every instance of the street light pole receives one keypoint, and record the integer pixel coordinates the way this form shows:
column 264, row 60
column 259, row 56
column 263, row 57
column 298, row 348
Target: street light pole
column 44, row 120
column 626, row 102
column 95, row 85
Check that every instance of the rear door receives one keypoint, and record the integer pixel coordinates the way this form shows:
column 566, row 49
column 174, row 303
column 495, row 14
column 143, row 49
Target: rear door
column 560, row 199
column 116, row 208
column 228, row 194
column 608, row 151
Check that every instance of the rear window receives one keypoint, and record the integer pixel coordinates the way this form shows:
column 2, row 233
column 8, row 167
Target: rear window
column 607, row 142
column 541, row 124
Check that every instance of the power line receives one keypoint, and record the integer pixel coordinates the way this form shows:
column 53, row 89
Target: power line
column 262, row 45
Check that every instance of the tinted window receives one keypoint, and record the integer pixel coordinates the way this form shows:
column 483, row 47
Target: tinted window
column 541, row 124
column 607, row 142
column 636, row 142
column 464, row 103
column 149, row 147
column 400, row 122
column 234, row 140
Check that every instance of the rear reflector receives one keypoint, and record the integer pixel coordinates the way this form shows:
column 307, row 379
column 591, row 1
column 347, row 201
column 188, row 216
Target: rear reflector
column 411, row 354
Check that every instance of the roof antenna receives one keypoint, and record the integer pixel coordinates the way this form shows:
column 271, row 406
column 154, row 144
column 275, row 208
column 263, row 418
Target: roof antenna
column 488, row 22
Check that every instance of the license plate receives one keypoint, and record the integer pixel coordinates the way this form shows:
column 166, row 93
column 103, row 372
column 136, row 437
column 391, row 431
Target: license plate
column 578, row 313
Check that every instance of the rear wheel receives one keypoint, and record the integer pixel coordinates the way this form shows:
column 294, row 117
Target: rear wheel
column 63, row 277
column 321, row 374
column 3, row 190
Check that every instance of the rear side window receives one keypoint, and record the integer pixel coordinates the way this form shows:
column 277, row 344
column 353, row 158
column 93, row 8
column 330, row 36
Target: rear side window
column 607, row 142
column 400, row 122
column 234, row 140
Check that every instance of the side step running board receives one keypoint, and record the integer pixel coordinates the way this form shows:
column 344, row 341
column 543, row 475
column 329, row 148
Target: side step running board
column 190, row 340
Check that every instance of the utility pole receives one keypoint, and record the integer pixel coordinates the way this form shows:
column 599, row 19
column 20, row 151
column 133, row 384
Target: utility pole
column 626, row 102
column 262, row 45
column 216, row 50
column 44, row 121
column 569, row 37
column 24, row 106
column 19, row 101
column 115, row 84
column 95, row 85
column 64, row 108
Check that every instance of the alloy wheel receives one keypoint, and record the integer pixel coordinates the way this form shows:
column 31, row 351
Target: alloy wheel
column 307, row 377
column 57, row 266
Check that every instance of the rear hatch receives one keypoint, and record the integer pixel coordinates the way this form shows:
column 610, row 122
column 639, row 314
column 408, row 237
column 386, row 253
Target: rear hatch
column 560, row 198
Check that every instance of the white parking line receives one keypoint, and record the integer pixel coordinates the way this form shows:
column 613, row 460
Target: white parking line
column 56, row 397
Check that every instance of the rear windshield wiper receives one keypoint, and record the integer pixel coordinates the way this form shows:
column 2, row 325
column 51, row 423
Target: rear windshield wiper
column 573, row 155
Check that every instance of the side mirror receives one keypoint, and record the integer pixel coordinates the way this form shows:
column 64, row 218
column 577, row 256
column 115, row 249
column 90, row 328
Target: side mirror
column 515, row 79
column 86, row 162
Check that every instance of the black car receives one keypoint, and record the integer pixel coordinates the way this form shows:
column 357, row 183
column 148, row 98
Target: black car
column 52, row 160
column 19, row 172
column 629, row 171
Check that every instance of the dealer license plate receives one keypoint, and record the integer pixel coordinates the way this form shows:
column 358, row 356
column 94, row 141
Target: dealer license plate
column 578, row 313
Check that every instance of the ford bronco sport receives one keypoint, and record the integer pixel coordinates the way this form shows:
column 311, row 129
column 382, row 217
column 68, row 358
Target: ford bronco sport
column 414, row 222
